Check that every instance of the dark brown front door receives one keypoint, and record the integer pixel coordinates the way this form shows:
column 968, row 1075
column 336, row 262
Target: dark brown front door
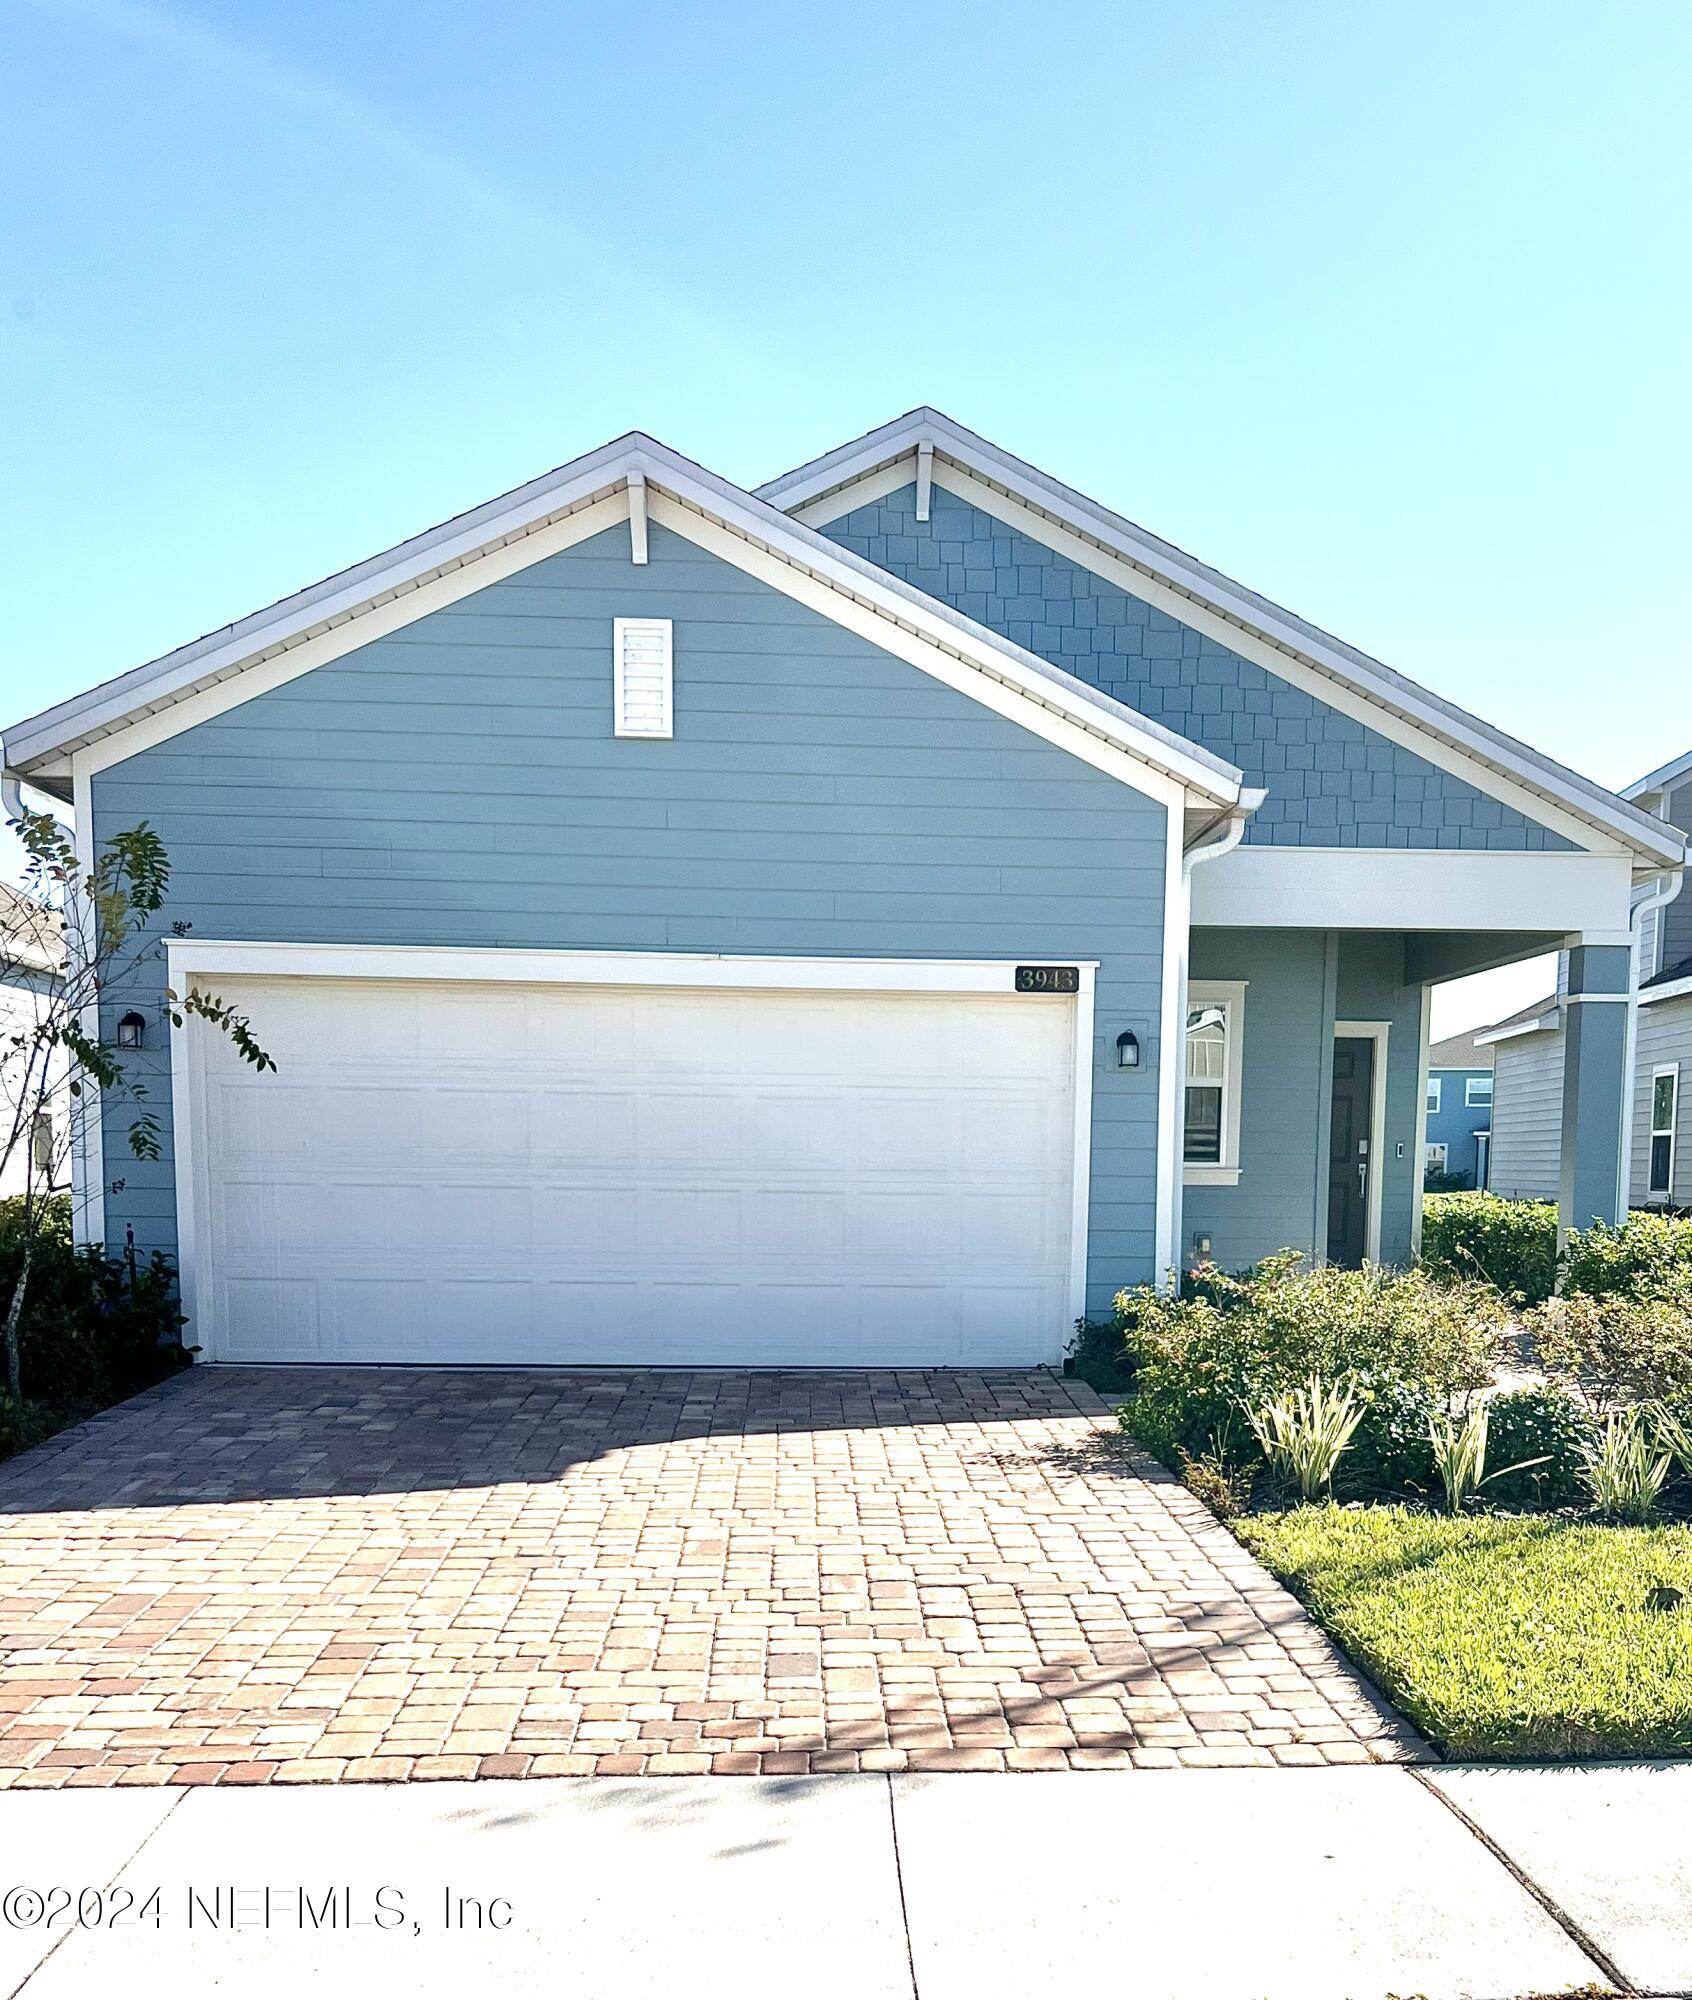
column 1349, row 1165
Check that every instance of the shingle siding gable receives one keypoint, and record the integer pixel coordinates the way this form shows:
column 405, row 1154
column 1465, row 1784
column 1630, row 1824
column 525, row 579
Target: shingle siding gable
column 1332, row 782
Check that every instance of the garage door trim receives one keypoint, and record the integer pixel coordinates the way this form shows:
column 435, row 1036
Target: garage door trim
column 201, row 960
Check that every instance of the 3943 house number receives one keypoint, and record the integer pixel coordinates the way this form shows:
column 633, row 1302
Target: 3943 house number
column 1048, row 979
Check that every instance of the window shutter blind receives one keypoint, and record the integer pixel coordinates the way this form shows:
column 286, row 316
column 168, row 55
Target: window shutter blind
column 642, row 692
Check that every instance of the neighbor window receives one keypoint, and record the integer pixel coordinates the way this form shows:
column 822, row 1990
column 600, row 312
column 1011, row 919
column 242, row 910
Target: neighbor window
column 1435, row 1157
column 1665, row 1102
column 1477, row 1090
column 1435, row 1084
column 1215, row 1027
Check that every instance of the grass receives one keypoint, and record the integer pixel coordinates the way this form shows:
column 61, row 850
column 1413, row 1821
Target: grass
column 1502, row 1636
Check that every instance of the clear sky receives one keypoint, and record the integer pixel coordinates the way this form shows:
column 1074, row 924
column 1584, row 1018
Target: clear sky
column 1382, row 310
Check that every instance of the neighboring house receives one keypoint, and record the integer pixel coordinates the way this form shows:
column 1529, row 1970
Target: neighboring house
column 866, row 921
column 1528, row 1046
column 1459, row 1110
column 1527, row 1101
column 1661, row 1126
column 31, row 970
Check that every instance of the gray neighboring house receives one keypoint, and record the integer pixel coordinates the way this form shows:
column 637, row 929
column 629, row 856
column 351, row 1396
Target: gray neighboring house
column 864, row 921
column 1528, row 1046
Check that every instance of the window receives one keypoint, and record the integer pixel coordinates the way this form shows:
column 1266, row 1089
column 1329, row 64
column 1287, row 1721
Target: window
column 1435, row 1089
column 1665, row 1102
column 1215, row 1030
column 641, row 670
column 1434, row 1157
column 1477, row 1090
column 41, row 1144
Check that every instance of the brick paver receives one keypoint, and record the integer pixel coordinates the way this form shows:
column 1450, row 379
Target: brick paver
column 252, row 1576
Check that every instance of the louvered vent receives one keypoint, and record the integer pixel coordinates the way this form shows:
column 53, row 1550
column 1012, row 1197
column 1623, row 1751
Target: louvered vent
column 642, row 647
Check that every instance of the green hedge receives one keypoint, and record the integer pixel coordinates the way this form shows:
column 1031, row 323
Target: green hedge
column 1407, row 1341
column 1646, row 1254
column 92, row 1331
column 1513, row 1245
column 1509, row 1244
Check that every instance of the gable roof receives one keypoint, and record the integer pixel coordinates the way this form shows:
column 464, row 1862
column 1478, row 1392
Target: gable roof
column 630, row 473
column 1460, row 1052
column 1264, row 630
column 1663, row 779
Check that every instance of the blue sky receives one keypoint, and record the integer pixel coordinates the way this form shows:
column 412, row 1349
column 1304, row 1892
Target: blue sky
column 1382, row 311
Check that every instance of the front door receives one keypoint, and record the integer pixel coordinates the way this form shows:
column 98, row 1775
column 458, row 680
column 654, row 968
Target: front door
column 1349, row 1165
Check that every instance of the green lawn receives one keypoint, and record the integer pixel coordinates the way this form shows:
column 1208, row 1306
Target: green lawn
column 1501, row 1636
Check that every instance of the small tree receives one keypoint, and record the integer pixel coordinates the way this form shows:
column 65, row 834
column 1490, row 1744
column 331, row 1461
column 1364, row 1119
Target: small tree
column 71, row 940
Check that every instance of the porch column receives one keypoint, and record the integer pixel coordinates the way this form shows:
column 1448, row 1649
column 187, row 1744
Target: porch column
column 1594, row 1076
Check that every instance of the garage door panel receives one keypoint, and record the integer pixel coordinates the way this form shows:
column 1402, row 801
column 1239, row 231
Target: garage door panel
column 577, row 1175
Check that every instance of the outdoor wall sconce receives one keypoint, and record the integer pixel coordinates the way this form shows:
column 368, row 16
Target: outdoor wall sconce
column 1201, row 1247
column 132, row 1030
column 1128, row 1050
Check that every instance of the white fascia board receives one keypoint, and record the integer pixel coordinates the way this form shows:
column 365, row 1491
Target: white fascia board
column 1541, row 1024
column 238, row 958
column 1663, row 779
column 1673, row 989
column 1287, row 645
column 1413, row 889
column 198, row 682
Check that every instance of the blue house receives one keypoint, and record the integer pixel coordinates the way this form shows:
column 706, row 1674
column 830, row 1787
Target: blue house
column 867, row 920
column 1457, row 1142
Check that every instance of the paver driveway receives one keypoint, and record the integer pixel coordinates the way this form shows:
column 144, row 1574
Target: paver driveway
column 291, row 1574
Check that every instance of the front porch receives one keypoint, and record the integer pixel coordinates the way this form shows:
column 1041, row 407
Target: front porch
column 1306, row 1082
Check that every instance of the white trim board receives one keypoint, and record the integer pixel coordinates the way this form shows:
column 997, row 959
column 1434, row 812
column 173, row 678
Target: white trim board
column 541, row 967
column 1380, row 1033
column 1412, row 889
column 1672, row 989
column 211, row 959
column 1203, row 598
column 1226, row 1171
column 155, row 702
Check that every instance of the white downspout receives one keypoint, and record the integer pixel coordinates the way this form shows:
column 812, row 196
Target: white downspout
column 1656, row 899
column 1210, row 846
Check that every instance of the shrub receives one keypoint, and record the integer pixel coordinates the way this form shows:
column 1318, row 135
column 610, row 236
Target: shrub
column 1511, row 1245
column 92, row 1332
column 1544, row 1423
column 1645, row 1253
column 1390, row 1449
column 1623, row 1348
column 1234, row 1343
column 1224, row 1488
column 1460, row 1454
column 1098, row 1355
column 1303, row 1432
column 1624, row 1467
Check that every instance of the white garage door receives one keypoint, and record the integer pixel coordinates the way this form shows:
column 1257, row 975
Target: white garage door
column 479, row 1173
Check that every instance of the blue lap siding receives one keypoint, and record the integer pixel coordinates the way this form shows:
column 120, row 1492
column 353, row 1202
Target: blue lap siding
column 458, row 783
column 1331, row 781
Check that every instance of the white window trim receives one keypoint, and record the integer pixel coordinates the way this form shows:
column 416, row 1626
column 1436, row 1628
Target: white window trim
column 1231, row 994
column 1432, row 1146
column 1435, row 1095
column 1380, row 1033
column 1654, row 1131
column 210, row 958
column 1470, row 1101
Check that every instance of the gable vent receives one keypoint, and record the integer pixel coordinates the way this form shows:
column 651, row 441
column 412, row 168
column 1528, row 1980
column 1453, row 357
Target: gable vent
column 642, row 695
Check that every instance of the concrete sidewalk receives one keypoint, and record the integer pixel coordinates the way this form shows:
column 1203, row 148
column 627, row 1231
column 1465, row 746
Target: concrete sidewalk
column 1344, row 1884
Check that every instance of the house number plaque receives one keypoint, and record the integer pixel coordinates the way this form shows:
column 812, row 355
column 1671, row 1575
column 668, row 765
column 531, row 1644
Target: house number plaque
column 1048, row 979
